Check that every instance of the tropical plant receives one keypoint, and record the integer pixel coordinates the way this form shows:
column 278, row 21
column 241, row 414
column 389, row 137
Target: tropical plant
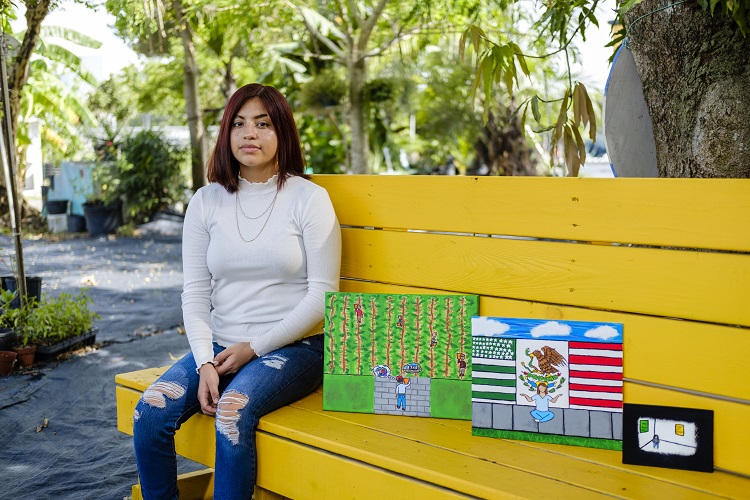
column 151, row 29
column 352, row 35
column 693, row 136
column 42, row 94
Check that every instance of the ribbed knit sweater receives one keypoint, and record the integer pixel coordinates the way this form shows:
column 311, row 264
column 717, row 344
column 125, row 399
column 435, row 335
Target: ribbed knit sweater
column 269, row 292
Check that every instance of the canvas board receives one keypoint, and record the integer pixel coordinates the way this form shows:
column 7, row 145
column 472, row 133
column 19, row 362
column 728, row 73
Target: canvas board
column 668, row 436
column 547, row 381
column 396, row 354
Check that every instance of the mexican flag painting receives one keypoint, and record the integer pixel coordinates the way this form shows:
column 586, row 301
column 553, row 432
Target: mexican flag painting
column 548, row 381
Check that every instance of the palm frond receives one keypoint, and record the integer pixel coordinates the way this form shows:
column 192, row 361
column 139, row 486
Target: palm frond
column 70, row 35
column 68, row 59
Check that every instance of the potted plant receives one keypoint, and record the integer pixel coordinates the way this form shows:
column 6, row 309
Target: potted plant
column 103, row 209
column 61, row 323
column 7, row 334
column 25, row 344
column 13, row 319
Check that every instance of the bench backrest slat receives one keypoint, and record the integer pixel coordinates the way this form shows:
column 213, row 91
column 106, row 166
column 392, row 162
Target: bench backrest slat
column 696, row 285
column 693, row 213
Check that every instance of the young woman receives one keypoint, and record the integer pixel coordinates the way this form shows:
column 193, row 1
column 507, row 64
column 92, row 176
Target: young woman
column 261, row 246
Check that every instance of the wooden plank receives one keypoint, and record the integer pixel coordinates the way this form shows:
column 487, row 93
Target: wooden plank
column 693, row 213
column 140, row 379
column 318, row 474
column 198, row 485
column 578, row 465
column 421, row 461
column 649, row 343
column 264, row 494
column 694, row 285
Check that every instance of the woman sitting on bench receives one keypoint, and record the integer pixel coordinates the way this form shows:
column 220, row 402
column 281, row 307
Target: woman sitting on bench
column 261, row 247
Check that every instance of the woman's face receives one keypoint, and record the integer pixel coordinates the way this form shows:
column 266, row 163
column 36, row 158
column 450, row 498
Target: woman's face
column 253, row 140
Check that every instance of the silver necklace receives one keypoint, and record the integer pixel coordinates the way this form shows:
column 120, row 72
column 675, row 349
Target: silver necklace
column 262, row 213
column 238, row 208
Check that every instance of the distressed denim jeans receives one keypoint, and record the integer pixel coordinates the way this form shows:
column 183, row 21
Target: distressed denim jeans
column 263, row 385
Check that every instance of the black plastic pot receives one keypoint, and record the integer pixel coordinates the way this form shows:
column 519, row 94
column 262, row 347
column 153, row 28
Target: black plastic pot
column 7, row 339
column 33, row 288
column 102, row 219
column 57, row 207
column 76, row 223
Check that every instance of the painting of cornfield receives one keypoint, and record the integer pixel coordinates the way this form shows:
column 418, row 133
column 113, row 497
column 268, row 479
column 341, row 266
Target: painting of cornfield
column 399, row 354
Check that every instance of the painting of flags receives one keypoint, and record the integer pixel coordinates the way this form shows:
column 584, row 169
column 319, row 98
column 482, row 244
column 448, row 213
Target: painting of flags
column 550, row 381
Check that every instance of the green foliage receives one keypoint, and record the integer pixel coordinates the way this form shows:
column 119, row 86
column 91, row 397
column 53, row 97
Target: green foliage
column 105, row 179
column 150, row 177
column 51, row 99
column 738, row 10
column 446, row 120
column 114, row 103
column 54, row 319
column 322, row 143
column 500, row 63
column 325, row 90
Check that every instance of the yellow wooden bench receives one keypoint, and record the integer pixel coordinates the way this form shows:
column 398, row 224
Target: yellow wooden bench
column 668, row 258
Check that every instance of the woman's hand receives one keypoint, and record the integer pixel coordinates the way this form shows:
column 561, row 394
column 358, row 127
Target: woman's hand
column 231, row 359
column 208, row 389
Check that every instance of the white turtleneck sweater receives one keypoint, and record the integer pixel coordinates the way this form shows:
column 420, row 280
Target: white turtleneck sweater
column 269, row 292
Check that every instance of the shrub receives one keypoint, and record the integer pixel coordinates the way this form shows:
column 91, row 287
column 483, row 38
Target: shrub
column 150, row 178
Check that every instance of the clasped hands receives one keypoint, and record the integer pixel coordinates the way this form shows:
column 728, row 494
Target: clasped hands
column 230, row 360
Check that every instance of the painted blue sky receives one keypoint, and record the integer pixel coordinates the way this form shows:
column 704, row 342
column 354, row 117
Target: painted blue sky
column 517, row 328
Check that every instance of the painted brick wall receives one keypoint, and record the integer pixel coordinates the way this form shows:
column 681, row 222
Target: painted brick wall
column 417, row 397
column 567, row 421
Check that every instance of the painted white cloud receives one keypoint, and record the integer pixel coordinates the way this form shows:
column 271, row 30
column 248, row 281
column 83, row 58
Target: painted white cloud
column 605, row 332
column 550, row 328
column 488, row 327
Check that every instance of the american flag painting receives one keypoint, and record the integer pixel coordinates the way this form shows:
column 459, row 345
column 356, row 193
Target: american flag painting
column 547, row 378
column 596, row 375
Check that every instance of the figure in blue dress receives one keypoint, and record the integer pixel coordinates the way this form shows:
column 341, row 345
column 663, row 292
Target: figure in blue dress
column 542, row 399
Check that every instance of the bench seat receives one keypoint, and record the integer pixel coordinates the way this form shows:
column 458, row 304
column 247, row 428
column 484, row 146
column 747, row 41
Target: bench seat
column 305, row 452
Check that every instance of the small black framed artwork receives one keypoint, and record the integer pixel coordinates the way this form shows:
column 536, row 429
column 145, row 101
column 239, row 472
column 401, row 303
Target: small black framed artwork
column 668, row 436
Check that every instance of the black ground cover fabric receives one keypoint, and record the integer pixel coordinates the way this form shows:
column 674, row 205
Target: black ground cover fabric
column 136, row 285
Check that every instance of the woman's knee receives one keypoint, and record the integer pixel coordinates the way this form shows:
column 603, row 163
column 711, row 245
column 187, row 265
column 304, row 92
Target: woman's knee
column 152, row 413
column 232, row 418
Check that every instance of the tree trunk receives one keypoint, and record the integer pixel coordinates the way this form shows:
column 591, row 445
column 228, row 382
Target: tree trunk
column 192, row 100
column 19, row 71
column 695, row 71
column 357, row 113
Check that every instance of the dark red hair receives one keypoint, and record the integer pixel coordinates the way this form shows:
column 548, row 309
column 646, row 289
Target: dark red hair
column 224, row 168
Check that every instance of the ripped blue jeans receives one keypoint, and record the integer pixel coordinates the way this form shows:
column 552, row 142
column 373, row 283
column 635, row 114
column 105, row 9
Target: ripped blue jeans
column 263, row 385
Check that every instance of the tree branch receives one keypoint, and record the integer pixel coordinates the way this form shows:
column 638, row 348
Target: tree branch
column 369, row 25
column 354, row 11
